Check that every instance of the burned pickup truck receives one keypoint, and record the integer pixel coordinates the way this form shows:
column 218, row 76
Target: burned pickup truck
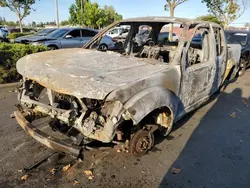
column 125, row 95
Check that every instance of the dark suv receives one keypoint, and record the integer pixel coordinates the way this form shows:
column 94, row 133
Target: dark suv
column 241, row 37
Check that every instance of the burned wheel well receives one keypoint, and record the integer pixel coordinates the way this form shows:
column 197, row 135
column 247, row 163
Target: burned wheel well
column 163, row 117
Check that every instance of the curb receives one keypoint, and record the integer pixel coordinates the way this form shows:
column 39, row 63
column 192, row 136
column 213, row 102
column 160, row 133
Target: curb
column 11, row 85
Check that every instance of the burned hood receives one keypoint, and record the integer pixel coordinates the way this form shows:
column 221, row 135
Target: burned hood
column 84, row 73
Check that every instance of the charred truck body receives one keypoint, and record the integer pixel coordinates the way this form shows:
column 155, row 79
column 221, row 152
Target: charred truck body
column 124, row 95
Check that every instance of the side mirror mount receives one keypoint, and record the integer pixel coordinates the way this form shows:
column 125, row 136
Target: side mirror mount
column 68, row 36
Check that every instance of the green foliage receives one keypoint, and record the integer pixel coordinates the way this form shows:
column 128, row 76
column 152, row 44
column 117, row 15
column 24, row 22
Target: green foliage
column 210, row 18
column 83, row 12
column 65, row 22
column 226, row 10
column 16, row 35
column 9, row 55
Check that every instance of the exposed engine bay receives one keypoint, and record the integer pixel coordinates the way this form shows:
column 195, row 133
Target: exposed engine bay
column 92, row 118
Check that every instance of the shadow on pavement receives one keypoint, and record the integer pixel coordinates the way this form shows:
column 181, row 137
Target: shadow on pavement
column 217, row 153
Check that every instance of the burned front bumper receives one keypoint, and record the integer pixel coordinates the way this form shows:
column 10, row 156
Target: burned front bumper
column 98, row 122
column 46, row 139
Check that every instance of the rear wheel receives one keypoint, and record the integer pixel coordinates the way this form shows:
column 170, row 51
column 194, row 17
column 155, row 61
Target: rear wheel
column 103, row 47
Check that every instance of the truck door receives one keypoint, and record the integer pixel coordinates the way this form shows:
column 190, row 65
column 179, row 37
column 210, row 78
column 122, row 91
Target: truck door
column 199, row 67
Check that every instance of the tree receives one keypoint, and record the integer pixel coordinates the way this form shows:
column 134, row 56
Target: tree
column 21, row 8
column 64, row 23
column 91, row 14
column 170, row 6
column 83, row 12
column 33, row 24
column 210, row 18
column 226, row 10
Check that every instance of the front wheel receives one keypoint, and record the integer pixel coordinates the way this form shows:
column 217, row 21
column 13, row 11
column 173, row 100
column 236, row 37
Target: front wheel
column 52, row 47
column 141, row 142
column 242, row 67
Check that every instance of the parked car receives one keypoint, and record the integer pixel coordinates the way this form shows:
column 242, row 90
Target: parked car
column 121, row 97
column 241, row 37
column 3, row 35
column 117, row 32
column 163, row 37
column 28, row 38
column 68, row 38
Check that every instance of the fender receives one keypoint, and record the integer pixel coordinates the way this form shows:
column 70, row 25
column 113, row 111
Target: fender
column 146, row 101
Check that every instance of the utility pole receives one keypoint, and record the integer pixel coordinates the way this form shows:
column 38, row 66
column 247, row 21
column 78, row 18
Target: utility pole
column 81, row 12
column 57, row 14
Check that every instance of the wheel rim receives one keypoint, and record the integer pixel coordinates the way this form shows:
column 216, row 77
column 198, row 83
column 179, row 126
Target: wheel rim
column 141, row 142
column 103, row 47
column 242, row 68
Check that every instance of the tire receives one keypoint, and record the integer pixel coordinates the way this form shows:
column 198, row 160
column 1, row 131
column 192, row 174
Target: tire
column 53, row 47
column 141, row 142
column 103, row 47
column 242, row 67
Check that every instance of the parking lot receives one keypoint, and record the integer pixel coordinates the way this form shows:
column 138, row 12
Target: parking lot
column 208, row 148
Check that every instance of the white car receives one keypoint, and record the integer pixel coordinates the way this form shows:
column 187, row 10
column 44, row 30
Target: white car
column 117, row 32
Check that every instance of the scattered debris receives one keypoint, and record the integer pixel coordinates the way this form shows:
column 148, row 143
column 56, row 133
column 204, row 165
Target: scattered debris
column 25, row 177
column 12, row 116
column 238, row 110
column 175, row 170
column 233, row 115
column 20, row 170
column 89, row 174
column 245, row 102
column 143, row 171
column 65, row 168
column 75, row 182
column 118, row 151
column 53, row 171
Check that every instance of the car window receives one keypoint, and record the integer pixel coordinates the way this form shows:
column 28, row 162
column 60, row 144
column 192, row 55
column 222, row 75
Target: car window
column 88, row 33
column 58, row 33
column 44, row 32
column 236, row 38
column 115, row 31
column 75, row 33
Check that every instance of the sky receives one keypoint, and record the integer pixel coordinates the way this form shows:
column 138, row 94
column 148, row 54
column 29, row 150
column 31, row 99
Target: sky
column 45, row 10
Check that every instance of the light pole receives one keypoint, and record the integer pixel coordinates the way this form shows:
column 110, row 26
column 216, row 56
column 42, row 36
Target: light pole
column 81, row 11
column 57, row 14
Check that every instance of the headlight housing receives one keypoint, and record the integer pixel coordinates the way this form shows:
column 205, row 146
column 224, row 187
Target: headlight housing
column 37, row 43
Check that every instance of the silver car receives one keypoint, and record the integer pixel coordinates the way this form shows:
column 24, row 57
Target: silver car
column 71, row 38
